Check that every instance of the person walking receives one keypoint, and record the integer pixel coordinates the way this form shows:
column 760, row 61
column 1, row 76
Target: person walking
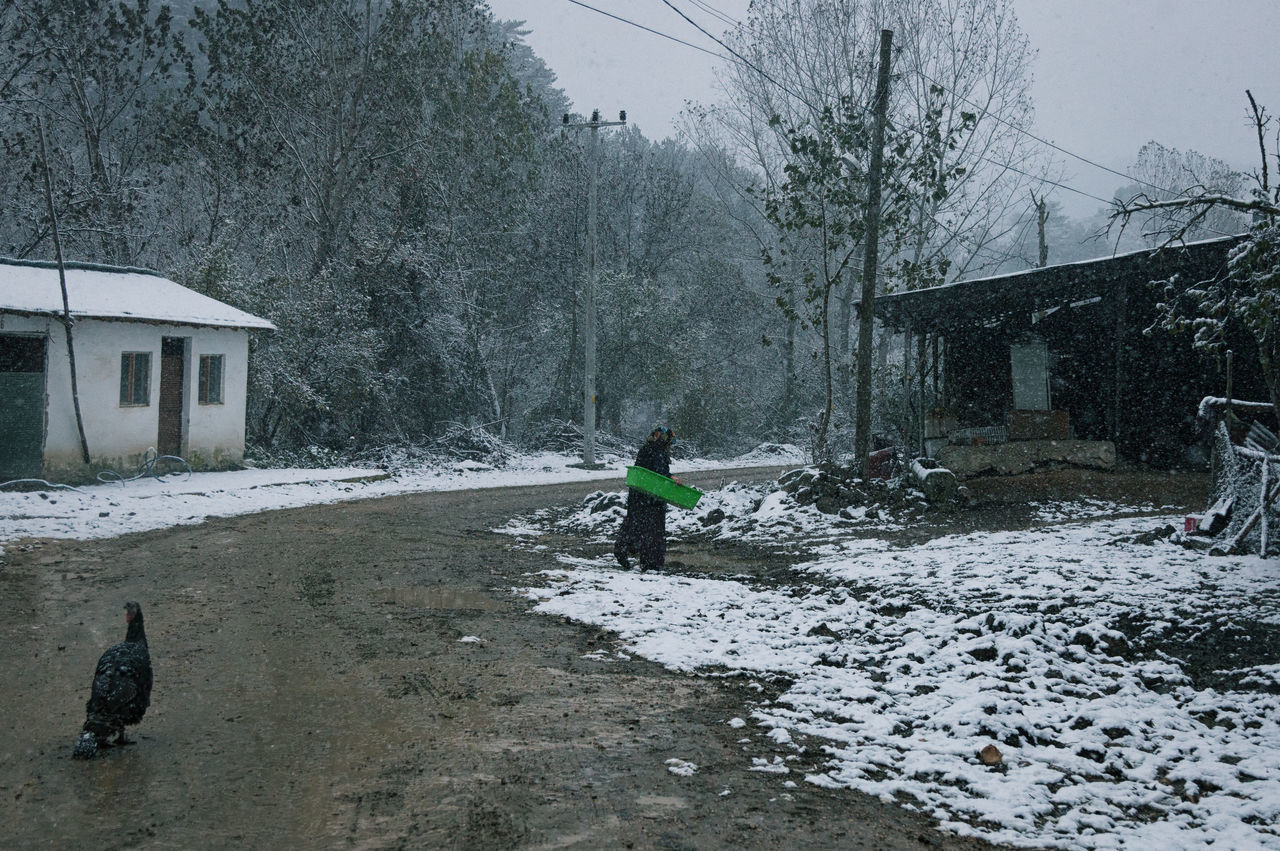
column 644, row 529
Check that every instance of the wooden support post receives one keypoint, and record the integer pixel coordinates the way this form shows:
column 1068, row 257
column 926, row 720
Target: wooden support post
column 906, row 385
column 1266, row 486
column 1118, row 373
column 937, row 378
column 944, row 387
column 921, row 349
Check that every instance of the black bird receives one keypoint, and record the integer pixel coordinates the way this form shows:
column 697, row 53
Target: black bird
column 121, row 689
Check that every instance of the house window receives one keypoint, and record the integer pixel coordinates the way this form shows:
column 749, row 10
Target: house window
column 135, row 378
column 211, row 379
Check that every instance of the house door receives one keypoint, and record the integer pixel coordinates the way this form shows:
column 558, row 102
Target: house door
column 1030, row 365
column 173, row 351
column 21, row 406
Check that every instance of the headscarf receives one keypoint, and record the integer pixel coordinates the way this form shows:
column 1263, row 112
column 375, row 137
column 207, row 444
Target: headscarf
column 662, row 436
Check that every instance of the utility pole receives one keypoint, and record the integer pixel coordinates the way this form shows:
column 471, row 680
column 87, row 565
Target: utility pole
column 589, row 300
column 870, row 259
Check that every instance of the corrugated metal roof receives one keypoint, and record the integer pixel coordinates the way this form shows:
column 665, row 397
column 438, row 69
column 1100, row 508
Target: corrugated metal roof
column 113, row 292
column 979, row 299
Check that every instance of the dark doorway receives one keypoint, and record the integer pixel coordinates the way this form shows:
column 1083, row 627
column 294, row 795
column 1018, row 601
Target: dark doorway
column 173, row 355
column 22, row 360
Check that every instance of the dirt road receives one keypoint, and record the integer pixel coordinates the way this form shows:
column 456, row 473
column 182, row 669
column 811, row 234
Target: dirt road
column 313, row 690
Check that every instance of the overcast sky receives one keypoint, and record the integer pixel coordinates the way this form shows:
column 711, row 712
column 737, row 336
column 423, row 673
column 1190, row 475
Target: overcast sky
column 1110, row 75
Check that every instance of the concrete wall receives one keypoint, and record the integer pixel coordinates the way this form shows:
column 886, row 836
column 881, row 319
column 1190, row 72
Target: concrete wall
column 119, row 436
column 1022, row 456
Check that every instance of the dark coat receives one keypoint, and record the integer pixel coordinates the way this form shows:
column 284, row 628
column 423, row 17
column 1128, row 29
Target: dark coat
column 644, row 529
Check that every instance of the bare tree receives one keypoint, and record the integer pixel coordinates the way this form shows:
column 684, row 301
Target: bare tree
column 966, row 62
column 1249, row 292
column 1167, row 174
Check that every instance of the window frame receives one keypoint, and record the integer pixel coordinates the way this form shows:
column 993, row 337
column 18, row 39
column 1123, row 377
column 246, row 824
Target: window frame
column 203, row 385
column 131, row 376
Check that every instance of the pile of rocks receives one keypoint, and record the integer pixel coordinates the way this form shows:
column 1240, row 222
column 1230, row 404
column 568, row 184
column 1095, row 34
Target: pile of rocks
column 830, row 488
column 833, row 488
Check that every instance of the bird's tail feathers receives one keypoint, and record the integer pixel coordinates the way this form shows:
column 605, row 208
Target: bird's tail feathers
column 86, row 746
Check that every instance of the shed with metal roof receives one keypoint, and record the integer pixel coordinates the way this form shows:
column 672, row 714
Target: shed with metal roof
column 1065, row 352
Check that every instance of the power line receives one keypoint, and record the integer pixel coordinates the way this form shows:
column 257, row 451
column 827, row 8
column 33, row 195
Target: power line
column 1043, row 180
column 714, row 12
column 744, row 60
column 646, row 29
column 1043, row 141
column 997, row 118
column 735, row 55
column 1047, row 180
column 739, row 57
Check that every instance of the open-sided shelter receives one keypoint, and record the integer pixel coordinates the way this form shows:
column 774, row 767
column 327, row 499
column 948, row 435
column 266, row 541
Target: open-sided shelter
column 1064, row 353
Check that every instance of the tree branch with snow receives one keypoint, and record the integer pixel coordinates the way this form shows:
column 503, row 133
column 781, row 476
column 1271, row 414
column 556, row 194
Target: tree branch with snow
column 1247, row 295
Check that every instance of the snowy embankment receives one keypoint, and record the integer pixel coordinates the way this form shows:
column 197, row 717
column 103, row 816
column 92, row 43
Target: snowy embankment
column 1113, row 677
column 137, row 505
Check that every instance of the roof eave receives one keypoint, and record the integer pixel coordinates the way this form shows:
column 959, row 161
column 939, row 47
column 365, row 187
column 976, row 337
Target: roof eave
column 258, row 325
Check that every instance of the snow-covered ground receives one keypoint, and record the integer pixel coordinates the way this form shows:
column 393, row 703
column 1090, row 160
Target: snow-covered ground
column 1068, row 648
column 106, row 510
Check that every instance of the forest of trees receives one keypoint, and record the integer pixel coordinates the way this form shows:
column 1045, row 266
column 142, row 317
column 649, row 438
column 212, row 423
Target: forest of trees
column 390, row 183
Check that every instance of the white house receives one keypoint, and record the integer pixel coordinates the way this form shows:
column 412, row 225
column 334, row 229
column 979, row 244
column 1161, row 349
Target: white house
column 158, row 366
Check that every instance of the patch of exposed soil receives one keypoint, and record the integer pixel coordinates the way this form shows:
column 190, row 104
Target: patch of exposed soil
column 1134, row 486
column 360, row 674
column 1014, row 502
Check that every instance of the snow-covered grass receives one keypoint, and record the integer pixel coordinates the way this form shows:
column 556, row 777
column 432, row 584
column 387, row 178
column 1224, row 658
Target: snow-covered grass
column 1121, row 682
column 761, row 514
column 106, row 510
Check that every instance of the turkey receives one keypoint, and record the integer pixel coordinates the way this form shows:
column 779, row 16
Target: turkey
column 121, row 688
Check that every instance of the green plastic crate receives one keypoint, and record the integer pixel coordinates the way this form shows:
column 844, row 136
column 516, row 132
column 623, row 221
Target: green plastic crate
column 663, row 488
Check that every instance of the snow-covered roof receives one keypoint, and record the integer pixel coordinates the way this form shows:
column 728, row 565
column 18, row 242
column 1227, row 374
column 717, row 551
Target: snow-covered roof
column 113, row 292
column 1020, row 293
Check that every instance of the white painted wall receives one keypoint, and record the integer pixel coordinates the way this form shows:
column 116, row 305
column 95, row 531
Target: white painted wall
column 118, row 436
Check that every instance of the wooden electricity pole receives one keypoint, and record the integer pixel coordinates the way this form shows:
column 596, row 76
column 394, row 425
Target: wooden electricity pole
column 870, row 259
column 589, row 299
